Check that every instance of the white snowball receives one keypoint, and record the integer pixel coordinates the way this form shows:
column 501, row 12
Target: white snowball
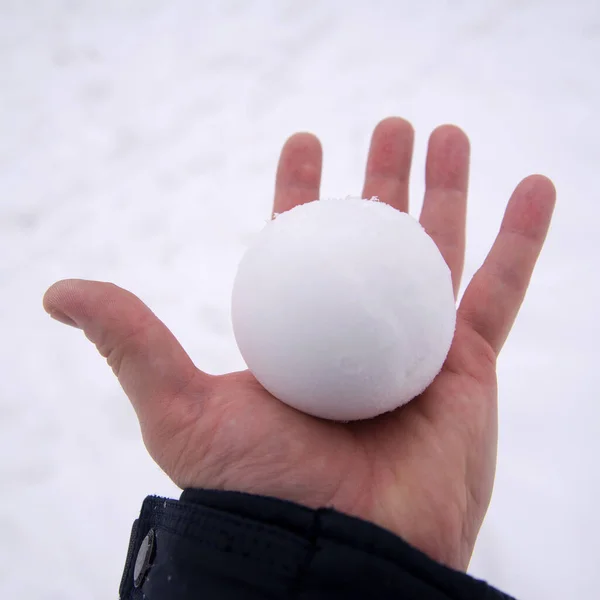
column 344, row 309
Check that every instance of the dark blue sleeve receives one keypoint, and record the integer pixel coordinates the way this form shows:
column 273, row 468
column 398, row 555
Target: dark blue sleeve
column 228, row 545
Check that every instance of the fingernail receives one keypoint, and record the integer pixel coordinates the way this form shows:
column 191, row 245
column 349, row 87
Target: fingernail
column 58, row 316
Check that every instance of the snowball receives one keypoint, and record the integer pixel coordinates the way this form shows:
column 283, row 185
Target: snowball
column 344, row 309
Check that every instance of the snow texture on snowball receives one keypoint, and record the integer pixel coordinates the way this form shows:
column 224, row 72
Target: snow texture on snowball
column 344, row 309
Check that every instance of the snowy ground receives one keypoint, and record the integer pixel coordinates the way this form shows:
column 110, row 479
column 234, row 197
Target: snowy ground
column 138, row 142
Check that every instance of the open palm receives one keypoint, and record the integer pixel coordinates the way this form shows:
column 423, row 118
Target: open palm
column 424, row 471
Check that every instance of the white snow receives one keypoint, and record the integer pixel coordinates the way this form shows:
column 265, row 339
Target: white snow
column 138, row 144
column 344, row 309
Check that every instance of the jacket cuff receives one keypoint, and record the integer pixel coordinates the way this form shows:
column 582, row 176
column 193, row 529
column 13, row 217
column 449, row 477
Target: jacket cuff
column 278, row 548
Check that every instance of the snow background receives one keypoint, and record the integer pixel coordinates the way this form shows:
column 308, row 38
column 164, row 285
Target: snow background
column 138, row 144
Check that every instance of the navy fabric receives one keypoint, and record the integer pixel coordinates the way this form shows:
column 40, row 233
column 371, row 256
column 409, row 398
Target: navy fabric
column 225, row 545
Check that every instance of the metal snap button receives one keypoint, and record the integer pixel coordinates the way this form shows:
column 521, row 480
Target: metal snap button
column 144, row 558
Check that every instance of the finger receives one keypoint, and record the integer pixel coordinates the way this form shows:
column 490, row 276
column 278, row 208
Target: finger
column 299, row 172
column 151, row 365
column 388, row 164
column 444, row 209
column 492, row 300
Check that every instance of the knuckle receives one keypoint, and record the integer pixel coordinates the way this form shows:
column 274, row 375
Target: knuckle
column 116, row 351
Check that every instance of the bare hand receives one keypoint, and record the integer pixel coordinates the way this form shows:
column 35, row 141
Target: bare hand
column 424, row 471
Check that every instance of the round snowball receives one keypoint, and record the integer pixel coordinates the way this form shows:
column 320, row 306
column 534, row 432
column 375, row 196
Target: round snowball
column 343, row 309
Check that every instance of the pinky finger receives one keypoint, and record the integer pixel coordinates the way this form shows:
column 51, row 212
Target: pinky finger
column 492, row 300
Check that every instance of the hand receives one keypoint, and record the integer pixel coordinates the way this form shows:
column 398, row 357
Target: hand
column 424, row 471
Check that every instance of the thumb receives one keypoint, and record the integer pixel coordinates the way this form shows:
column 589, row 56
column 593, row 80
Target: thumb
column 149, row 362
